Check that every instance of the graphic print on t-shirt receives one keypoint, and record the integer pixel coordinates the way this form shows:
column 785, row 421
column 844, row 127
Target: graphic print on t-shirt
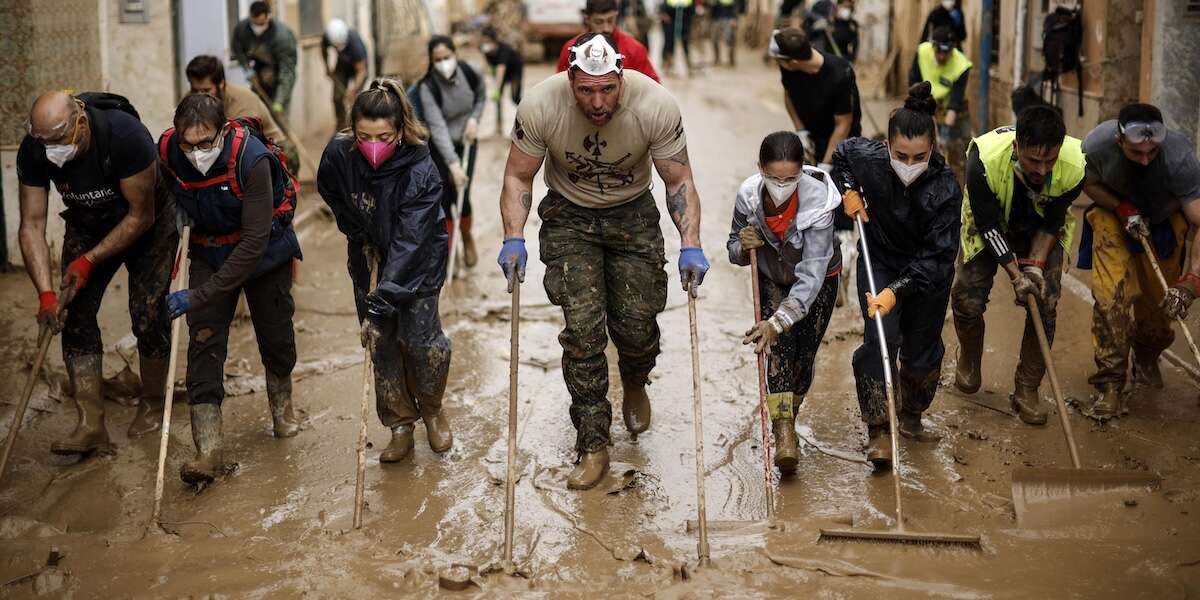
column 92, row 198
column 605, row 174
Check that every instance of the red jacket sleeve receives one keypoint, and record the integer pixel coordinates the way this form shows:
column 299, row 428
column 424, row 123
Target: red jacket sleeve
column 643, row 64
column 564, row 56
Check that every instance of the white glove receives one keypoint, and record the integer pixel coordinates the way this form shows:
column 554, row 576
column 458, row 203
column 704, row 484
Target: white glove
column 471, row 130
column 459, row 175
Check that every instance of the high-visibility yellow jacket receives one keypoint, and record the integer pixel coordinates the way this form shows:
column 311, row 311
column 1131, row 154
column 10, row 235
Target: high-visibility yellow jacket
column 941, row 77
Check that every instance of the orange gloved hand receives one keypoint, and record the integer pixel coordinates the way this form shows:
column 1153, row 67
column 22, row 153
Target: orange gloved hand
column 852, row 204
column 881, row 304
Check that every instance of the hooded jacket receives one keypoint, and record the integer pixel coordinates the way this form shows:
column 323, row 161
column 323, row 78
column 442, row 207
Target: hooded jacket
column 913, row 229
column 807, row 254
column 396, row 210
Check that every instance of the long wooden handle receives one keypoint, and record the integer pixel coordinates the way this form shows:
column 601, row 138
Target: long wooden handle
column 1035, row 315
column 702, row 548
column 172, row 362
column 510, row 480
column 762, row 391
column 44, row 337
column 1187, row 333
column 360, row 475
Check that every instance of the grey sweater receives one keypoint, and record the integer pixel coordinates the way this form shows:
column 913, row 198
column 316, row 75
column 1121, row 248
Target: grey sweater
column 460, row 103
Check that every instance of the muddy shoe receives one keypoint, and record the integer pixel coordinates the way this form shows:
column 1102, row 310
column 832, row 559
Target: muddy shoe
column 879, row 448
column 1145, row 371
column 968, row 374
column 787, row 446
column 206, row 433
column 635, row 408
column 401, row 445
column 279, row 396
column 437, row 430
column 148, row 417
column 1028, row 405
column 912, row 428
column 590, row 470
column 1110, row 405
column 89, row 434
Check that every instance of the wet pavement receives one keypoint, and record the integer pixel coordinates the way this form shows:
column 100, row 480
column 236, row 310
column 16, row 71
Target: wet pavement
column 280, row 526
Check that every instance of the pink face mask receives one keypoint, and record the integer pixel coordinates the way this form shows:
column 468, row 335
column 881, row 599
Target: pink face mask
column 376, row 153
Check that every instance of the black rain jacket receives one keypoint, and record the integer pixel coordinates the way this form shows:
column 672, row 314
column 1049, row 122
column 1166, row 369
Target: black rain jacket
column 913, row 230
column 397, row 210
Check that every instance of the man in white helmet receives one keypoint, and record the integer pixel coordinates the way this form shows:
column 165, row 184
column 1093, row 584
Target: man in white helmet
column 598, row 129
column 349, row 71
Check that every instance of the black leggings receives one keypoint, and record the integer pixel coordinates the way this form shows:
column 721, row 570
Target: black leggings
column 449, row 190
column 793, row 358
column 684, row 15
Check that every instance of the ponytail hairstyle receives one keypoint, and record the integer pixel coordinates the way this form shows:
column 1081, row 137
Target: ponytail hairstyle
column 781, row 146
column 386, row 99
column 915, row 118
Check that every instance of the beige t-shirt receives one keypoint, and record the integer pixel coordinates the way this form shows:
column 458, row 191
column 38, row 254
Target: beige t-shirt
column 599, row 167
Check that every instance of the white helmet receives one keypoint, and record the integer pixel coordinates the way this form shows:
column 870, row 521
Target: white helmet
column 597, row 57
column 337, row 32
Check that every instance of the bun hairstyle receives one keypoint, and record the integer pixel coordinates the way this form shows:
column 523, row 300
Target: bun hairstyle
column 915, row 118
column 386, row 99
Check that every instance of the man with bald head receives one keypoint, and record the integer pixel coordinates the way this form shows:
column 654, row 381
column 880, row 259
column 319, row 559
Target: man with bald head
column 103, row 162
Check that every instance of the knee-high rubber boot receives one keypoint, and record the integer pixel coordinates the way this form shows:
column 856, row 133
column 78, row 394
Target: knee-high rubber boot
column 89, row 434
column 148, row 417
column 279, row 395
column 787, row 445
column 470, row 257
column 206, row 433
column 968, row 374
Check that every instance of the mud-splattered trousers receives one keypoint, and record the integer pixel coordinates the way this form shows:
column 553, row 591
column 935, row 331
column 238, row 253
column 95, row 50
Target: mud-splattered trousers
column 604, row 267
column 792, row 360
column 1126, row 314
column 269, row 298
column 973, row 284
column 148, row 262
column 913, row 330
column 412, row 354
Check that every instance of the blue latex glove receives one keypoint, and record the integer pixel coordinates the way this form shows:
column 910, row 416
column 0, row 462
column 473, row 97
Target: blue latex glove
column 692, row 267
column 512, row 259
column 179, row 303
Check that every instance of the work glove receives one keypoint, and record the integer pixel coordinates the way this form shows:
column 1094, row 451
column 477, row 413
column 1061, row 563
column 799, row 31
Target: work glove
column 47, row 314
column 750, row 238
column 764, row 335
column 471, row 130
column 75, row 277
column 806, row 141
column 458, row 175
column 178, row 304
column 1131, row 220
column 512, row 260
column 1035, row 271
column 692, row 267
column 494, row 95
column 882, row 304
column 369, row 334
column 378, row 310
column 277, row 107
column 1023, row 286
column 852, row 204
column 1181, row 295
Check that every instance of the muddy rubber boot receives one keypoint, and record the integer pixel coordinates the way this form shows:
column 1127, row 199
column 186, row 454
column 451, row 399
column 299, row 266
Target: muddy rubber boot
column 1110, row 405
column 879, row 447
column 590, row 470
column 843, row 289
column 635, row 408
column 89, row 435
column 470, row 257
column 968, row 374
column 1145, row 371
column 911, row 427
column 148, row 417
column 787, row 446
column 206, row 433
column 437, row 431
column 1028, row 404
column 279, row 396
column 400, row 447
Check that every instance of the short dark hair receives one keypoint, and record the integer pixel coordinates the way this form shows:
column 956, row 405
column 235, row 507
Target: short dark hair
column 489, row 32
column 1041, row 126
column 794, row 44
column 259, row 8
column 915, row 118
column 595, row 7
column 199, row 109
column 780, row 146
column 206, row 67
column 589, row 36
column 1145, row 113
column 942, row 36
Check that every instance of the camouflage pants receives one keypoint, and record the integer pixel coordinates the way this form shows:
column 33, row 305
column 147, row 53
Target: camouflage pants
column 604, row 267
column 793, row 358
column 148, row 262
column 973, row 284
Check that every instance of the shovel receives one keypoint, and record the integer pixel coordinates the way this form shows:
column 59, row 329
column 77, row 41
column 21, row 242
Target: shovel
column 510, row 478
column 1163, row 280
column 456, row 219
column 181, row 256
column 360, row 477
column 1040, row 487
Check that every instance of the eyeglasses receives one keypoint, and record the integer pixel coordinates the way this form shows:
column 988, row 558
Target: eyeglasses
column 204, row 145
column 1140, row 132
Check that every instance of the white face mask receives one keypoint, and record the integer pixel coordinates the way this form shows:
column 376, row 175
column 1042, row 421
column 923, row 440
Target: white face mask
column 59, row 154
column 909, row 173
column 203, row 159
column 447, row 67
column 259, row 29
column 948, row 4
column 780, row 192
column 487, row 48
column 845, row 13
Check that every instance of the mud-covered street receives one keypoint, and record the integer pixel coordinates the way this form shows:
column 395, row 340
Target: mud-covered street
column 280, row 526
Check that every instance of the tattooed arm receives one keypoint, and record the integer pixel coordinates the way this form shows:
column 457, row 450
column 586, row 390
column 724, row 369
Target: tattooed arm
column 683, row 201
column 516, row 196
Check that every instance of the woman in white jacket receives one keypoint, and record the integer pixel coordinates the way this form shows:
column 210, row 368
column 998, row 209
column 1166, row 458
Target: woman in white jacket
column 785, row 212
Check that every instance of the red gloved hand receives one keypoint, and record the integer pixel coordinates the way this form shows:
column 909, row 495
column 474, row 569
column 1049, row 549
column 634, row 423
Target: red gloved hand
column 75, row 277
column 47, row 314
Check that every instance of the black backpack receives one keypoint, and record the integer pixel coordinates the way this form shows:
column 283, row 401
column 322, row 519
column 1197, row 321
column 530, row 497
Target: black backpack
column 100, row 102
column 1062, row 40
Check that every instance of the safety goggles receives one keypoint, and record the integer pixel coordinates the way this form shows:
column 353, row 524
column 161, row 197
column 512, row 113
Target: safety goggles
column 1140, row 132
column 781, row 181
column 773, row 50
column 59, row 131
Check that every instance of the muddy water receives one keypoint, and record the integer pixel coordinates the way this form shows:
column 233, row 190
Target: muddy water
column 280, row 525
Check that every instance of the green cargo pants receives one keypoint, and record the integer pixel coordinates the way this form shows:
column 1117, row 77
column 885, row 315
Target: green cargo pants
column 604, row 267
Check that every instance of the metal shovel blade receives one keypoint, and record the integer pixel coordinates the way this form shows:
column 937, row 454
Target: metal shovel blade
column 1049, row 490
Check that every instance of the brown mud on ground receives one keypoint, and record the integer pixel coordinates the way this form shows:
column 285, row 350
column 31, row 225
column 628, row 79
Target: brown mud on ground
column 280, row 525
